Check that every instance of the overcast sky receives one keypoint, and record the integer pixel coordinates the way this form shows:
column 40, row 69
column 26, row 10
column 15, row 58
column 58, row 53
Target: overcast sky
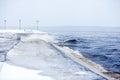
column 61, row 12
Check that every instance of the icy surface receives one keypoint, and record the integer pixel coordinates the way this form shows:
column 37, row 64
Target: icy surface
column 1, row 64
column 10, row 72
column 7, row 42
column 44, row 61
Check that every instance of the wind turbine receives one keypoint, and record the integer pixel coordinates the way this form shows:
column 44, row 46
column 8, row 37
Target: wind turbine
column 5, row 24
column 19, row 24
column 37, row 24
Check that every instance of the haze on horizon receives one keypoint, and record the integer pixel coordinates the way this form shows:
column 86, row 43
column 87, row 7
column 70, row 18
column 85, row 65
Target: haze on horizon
column 61, row 12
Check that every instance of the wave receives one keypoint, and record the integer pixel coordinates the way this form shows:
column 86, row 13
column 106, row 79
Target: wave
column 102, row 50
column 71, row 41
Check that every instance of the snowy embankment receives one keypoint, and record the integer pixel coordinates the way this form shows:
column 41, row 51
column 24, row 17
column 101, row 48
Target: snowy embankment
column 35, row 53
column 35, row 57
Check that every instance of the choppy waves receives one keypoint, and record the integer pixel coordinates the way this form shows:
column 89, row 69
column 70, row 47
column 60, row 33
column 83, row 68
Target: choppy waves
column 102, row 48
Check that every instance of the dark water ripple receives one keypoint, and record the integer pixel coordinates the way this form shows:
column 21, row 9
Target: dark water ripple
column 102, row 48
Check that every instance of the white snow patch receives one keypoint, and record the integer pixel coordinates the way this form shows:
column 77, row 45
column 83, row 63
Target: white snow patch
column 10, row 72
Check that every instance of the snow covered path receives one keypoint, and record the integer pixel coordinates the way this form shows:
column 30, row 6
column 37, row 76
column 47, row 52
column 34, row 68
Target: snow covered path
column 35, row 59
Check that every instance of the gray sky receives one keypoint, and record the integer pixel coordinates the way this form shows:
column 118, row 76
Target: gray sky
column 61, row 12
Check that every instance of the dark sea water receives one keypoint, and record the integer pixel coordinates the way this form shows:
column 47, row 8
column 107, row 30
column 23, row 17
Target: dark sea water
column 100, row 47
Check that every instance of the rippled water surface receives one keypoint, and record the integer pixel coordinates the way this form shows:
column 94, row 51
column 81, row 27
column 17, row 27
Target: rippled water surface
column 100, row 47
